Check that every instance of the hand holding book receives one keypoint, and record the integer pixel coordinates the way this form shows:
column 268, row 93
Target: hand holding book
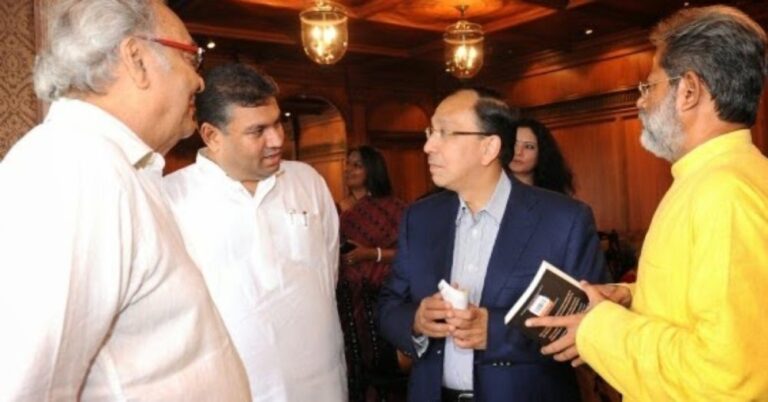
column 564, row 349
column 551, row 309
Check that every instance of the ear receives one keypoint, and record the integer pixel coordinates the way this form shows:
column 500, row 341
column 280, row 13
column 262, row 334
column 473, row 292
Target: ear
column 691, row 91
column 211, row 136
column 133, row 57
column 490, row 149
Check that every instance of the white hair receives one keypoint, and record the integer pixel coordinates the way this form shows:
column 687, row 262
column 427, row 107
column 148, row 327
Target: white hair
column 84, row 37
column 663, row 133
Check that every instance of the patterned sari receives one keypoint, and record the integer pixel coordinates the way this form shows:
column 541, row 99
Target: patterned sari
column 371, row 361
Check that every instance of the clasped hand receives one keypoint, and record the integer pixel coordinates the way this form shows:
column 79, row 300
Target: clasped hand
column 436, row 318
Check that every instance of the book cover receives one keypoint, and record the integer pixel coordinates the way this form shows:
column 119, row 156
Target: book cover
column 551, row 292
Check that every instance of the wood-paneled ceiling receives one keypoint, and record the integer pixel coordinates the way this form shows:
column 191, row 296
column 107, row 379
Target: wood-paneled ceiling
column 386, row 33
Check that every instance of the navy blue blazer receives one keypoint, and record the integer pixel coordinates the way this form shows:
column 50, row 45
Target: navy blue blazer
column 537, row 225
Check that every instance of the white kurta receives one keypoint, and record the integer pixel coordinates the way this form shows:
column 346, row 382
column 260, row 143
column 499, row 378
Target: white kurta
column 97, row 294
column 270, row 262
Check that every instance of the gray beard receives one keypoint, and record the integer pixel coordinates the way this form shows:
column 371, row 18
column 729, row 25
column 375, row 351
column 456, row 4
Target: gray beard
column 662, row 130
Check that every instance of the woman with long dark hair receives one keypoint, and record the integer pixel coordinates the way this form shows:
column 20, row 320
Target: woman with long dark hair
column 537, row 159
column 369, row 220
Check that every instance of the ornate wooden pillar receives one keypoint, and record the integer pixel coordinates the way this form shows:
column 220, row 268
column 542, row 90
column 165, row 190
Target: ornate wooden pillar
column 19, row 108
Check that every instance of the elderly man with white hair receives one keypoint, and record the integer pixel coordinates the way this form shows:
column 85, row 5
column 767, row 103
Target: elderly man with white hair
column 98, row 298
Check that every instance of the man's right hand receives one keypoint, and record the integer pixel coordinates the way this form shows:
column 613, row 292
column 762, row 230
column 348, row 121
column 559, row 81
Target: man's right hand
column 431, row 315
column 616, row 293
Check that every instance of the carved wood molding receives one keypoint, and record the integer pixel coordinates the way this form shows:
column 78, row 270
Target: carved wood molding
column 396, row 139
column 323, row 152
column 616, row 103
column 199, row 28
column 19, row 108
column 547, row 61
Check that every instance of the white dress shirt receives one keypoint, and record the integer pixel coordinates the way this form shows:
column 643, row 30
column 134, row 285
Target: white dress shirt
column 270, row 261
column 473, row 244
column 98, row 298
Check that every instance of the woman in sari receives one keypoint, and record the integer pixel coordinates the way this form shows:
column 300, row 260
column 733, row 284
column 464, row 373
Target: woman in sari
column 369, row 222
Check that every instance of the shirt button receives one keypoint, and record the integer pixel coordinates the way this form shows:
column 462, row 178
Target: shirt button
column 471, row 267
column 475, row 233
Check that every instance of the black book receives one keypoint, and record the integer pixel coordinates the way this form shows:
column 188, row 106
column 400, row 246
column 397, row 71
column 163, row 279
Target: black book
column 551, row 292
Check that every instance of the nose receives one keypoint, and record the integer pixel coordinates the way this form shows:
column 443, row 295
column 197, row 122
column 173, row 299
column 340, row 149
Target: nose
column 640, row 102
column 429, row 146
column 518, row 148
column 275, row 137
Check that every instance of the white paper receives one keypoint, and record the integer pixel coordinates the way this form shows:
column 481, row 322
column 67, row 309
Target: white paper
column 458, row 298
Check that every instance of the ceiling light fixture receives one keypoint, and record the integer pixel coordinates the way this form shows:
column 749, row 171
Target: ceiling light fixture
column 463, row 47
column 324, row 32
column 211, row 44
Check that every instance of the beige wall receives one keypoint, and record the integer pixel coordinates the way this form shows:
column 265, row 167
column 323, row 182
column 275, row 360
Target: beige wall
column 18, row 105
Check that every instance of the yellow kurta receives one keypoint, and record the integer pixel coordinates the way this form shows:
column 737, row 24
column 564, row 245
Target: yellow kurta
column 698, row 326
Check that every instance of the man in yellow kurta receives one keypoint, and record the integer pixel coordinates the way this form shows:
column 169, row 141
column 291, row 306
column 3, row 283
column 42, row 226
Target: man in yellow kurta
column 695, row 326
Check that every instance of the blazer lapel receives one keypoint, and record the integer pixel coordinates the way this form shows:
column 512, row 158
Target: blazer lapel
column 449, row 231
column 515, row 231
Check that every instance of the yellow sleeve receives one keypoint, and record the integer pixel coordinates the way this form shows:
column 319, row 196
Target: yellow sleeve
column 720, row 353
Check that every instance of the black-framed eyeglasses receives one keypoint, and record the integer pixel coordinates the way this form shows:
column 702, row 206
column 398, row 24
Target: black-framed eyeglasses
column 443, row 134
column 645, row 87
column 196, row 51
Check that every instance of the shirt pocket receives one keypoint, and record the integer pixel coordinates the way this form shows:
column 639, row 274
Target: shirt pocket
column 305, row 237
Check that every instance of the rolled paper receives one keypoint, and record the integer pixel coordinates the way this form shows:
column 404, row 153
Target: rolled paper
column 459, row 298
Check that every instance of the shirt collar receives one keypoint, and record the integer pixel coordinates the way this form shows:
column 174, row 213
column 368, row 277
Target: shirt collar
column 93, row 120
column 496, row 205
column 702, row 154
column 211, row 169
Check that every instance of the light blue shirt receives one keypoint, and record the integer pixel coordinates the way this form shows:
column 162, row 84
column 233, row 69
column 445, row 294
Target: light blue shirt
column 473, row 245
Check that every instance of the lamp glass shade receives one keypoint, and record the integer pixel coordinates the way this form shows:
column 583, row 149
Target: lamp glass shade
column 463, row 49
column 324, row 33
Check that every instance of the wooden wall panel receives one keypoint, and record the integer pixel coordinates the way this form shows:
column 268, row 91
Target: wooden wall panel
column 396, row 128
column 589, row 79
column 647, row 178
column 760, row 130
column 322, row 144
column 396, row 116
column 594, row 152
column 321, row 130
column 332, row 170
column 408, row 171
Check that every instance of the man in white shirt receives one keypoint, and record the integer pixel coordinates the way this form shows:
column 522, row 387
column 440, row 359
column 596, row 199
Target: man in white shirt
column 98, row 298
column 265, row 235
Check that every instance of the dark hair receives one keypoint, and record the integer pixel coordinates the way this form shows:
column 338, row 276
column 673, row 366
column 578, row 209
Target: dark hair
column 551, row 170
column 495, row 116
column 725, row 48
column 376, row 177
column 232, row 84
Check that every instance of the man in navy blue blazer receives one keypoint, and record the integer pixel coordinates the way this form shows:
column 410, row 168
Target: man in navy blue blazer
column 487, row 235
